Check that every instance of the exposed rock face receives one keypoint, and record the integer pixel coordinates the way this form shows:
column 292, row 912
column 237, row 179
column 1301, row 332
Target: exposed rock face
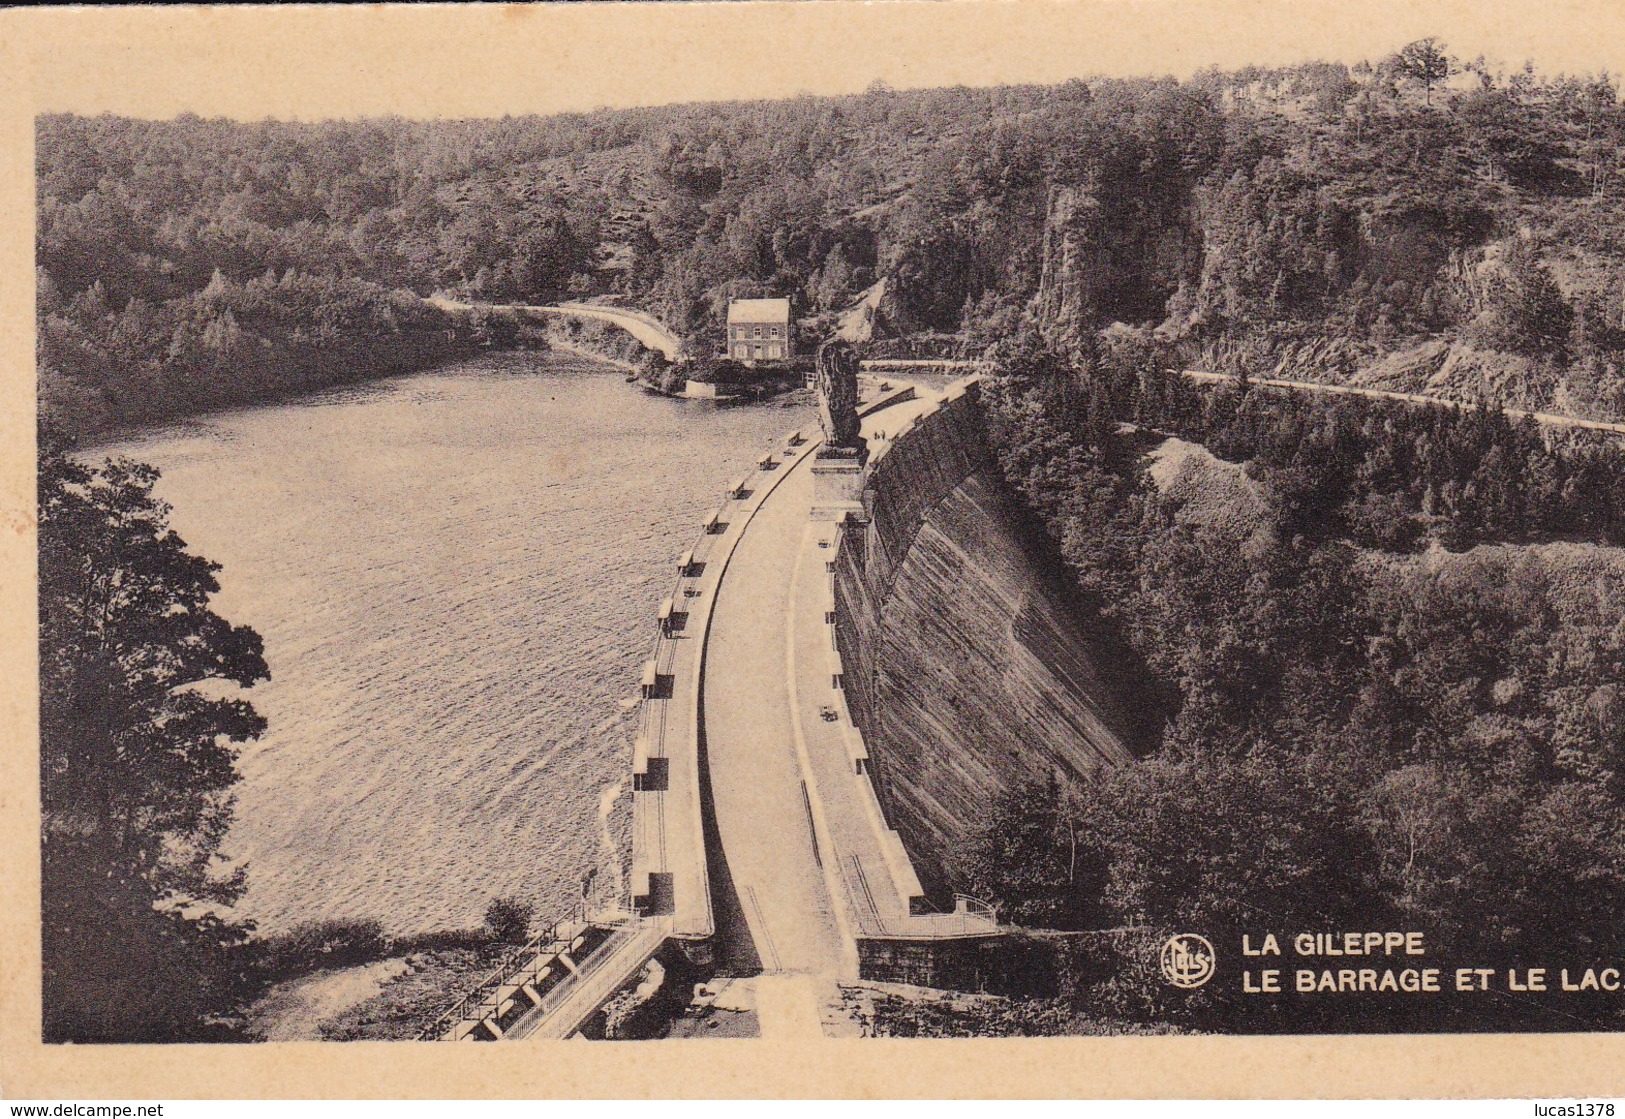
column 1208, row 493
column 1460, row 372
column 1469, row 275
column 966, row 666
column 869, row 311
column 1109, row 262
column 1067, row 305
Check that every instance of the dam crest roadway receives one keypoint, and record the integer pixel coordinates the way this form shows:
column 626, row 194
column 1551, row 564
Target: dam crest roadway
column 759, row 847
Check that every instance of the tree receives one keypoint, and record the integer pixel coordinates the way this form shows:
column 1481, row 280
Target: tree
column 1426, row 63
column 1225, row 844
column 1033, row 861
column 507, row 919
column 1525, row 311
column 136, row 760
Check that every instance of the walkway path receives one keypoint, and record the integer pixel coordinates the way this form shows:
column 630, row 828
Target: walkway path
column 788, row 1006
column 867, row 868
column 644, row 327
column 762, row 811
column 599, row 976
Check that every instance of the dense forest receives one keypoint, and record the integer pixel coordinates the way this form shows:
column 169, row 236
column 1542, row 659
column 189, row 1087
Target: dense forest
column 1417, row 223
column 1389, row 659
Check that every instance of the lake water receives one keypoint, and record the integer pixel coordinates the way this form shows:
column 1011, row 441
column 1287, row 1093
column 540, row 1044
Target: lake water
column 456, row 576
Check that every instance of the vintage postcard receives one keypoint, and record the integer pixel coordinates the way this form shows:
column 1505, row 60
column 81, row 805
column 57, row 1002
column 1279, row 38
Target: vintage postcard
column 1086, row 534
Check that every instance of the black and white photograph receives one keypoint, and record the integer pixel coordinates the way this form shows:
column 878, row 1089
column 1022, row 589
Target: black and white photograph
column 1123, row 545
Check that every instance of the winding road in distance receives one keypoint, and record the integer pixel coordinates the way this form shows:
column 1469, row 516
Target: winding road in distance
column 1549, row 419
column 656, row 336
column 645, row 328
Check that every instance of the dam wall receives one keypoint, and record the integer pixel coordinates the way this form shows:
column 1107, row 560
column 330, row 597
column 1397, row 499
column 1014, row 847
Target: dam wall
column 965, row 665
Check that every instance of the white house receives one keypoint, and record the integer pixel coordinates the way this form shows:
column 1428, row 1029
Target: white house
column 759, row 330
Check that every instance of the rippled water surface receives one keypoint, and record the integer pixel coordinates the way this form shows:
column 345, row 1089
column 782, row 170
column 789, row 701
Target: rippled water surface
column 456, row 576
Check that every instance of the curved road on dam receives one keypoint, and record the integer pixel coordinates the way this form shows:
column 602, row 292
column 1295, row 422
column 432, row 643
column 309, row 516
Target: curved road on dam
column 762, row 806
column 761, row 812
column 758, row 797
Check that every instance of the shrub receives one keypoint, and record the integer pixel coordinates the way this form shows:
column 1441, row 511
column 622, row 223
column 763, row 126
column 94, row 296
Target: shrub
column 323, row 944
column 672, row 378
column 508, row 919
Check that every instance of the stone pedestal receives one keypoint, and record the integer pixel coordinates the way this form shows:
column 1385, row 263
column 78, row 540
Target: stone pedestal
column 838, row 483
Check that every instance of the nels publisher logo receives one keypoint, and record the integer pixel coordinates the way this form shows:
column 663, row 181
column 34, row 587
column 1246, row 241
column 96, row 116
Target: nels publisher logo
column 1187, row 961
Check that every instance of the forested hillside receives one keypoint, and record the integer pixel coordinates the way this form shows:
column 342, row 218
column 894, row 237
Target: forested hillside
column 1414, row 223
column 1384, row 647
column 193, row 263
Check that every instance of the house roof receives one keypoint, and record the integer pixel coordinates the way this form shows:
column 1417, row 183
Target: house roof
column 759, row 310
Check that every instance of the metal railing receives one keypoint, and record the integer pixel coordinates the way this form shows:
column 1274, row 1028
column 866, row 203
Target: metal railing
column 513, row 963
column 975, row 907
column 860, row 881
column 483, row 999
column 590, row 984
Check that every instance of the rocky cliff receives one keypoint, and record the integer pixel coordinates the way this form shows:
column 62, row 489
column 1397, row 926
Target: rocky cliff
column 1105, row 260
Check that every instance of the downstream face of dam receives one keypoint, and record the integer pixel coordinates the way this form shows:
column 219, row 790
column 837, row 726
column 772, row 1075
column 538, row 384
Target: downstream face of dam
column 966, row 668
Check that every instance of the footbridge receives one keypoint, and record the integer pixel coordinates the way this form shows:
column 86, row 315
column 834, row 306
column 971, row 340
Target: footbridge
column 759, row 845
